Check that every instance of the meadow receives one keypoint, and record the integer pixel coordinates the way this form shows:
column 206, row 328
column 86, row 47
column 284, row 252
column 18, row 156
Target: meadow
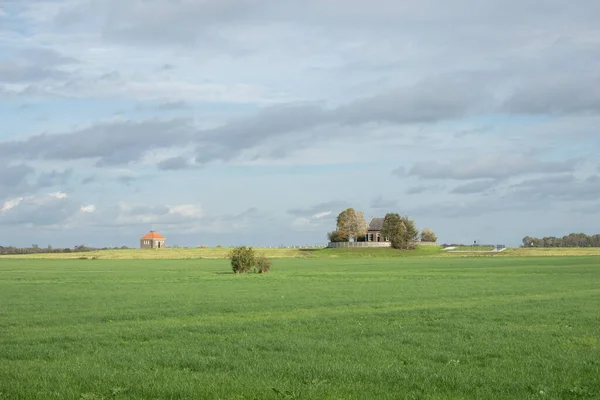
column 222, row 253
column 319, row 326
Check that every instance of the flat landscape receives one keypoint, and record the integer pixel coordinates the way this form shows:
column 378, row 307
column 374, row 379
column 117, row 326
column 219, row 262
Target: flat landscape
column 324, row 324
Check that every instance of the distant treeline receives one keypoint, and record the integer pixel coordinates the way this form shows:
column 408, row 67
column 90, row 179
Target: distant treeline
column 571, row 240
column 35, row 249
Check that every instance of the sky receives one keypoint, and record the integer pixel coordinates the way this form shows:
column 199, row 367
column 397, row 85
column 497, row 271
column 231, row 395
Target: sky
column 227, row 122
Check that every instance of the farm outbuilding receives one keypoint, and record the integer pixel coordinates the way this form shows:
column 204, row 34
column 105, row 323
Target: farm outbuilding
column 152, row 240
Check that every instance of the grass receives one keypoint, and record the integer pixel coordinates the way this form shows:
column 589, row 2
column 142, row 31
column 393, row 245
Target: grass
column 217, row 253
column 221, row 253
column 473, row 248
column 314, row 328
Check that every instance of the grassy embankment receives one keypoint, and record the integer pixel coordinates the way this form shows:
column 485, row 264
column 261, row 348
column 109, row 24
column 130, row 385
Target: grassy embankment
column 218, row 253
column 315, row 328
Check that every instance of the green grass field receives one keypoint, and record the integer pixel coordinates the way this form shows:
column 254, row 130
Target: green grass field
column 328, row 326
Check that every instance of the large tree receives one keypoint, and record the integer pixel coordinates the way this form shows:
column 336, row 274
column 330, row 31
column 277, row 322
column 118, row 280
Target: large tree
column 393, row 228
column 401, row 231
column 351, row 224
column 427, row 235
column 411, row 233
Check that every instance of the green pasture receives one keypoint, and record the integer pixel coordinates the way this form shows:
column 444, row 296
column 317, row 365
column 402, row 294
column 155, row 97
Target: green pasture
column 332, row 326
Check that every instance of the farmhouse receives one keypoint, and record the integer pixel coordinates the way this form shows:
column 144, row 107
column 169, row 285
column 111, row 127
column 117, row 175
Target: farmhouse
column 152, row 240
column 374, row 231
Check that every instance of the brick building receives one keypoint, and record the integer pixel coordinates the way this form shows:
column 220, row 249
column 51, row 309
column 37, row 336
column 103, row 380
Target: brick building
column 152, row 240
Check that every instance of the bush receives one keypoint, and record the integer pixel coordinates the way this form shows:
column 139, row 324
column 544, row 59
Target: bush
column 427, row 235
column 242, row 259
column 336, row 237
column 263, row 264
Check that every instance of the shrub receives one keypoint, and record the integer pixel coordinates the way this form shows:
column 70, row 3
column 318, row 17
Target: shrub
column 242, row 259
column 263, row 264
column 427, row 235
column 337, row 236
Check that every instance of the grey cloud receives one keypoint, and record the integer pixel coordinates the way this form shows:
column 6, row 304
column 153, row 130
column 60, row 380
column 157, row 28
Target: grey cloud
column 114, row 76
column 379, row 203
column 32, row 65
column 159, row 210
column 172, row 105
column 121, row 142
column 135, row 22
column 175, row 163
column 562, row 95
column 335, row 207
column 561, row 188
column 54, row 178
column 475, row 187
column 89, row 179
column 43, row 211
column 15, row 73
column 400, row 172
column 14, row 180
column 421, row 189
column 127, row 180
column 547, row 194
column 112, row 143
column 431, row 100
column 493, row 167
column 13, row 176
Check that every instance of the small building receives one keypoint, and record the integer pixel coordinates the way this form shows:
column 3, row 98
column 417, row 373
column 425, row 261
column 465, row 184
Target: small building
column 374, row 231
column 152, row 240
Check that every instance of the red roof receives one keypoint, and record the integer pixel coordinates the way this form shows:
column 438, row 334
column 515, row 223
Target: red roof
column 153, row 235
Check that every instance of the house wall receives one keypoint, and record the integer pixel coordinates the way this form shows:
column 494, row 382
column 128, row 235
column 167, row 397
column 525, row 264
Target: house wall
column 152, row 243
column 374, row 235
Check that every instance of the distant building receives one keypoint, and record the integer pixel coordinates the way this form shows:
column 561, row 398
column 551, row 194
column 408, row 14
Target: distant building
column 374, row 231
column 152, row 240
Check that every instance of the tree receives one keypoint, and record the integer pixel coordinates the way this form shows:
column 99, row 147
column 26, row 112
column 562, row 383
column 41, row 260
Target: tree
column 427, row 235
column 401, row 231
column 242, row 259
column 351, row 224
column 394, row 229
column 411, row 233
column 335, row 236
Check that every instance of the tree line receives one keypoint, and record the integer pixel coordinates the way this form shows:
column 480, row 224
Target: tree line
column 401, row 231
column 35, row 249
column 570, row 240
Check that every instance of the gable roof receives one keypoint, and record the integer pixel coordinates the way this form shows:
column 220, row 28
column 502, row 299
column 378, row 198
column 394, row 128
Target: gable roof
column 376, row 224
column 153, row 235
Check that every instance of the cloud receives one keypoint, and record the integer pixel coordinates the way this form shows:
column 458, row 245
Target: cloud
column 319, row 216
column 562, row 187
column 89, row 208
column 172, row 105
column 434, row 99
column 49, row 210
column 54, row 178
column 320, row 210
column 475, row 187
column 175, row 163
column 122, row 142
column 379, row 203
column 422, row 189
column 59, row 195
column 13, row 178
column 32, row 64
column 490, row 167
column 111, row 144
